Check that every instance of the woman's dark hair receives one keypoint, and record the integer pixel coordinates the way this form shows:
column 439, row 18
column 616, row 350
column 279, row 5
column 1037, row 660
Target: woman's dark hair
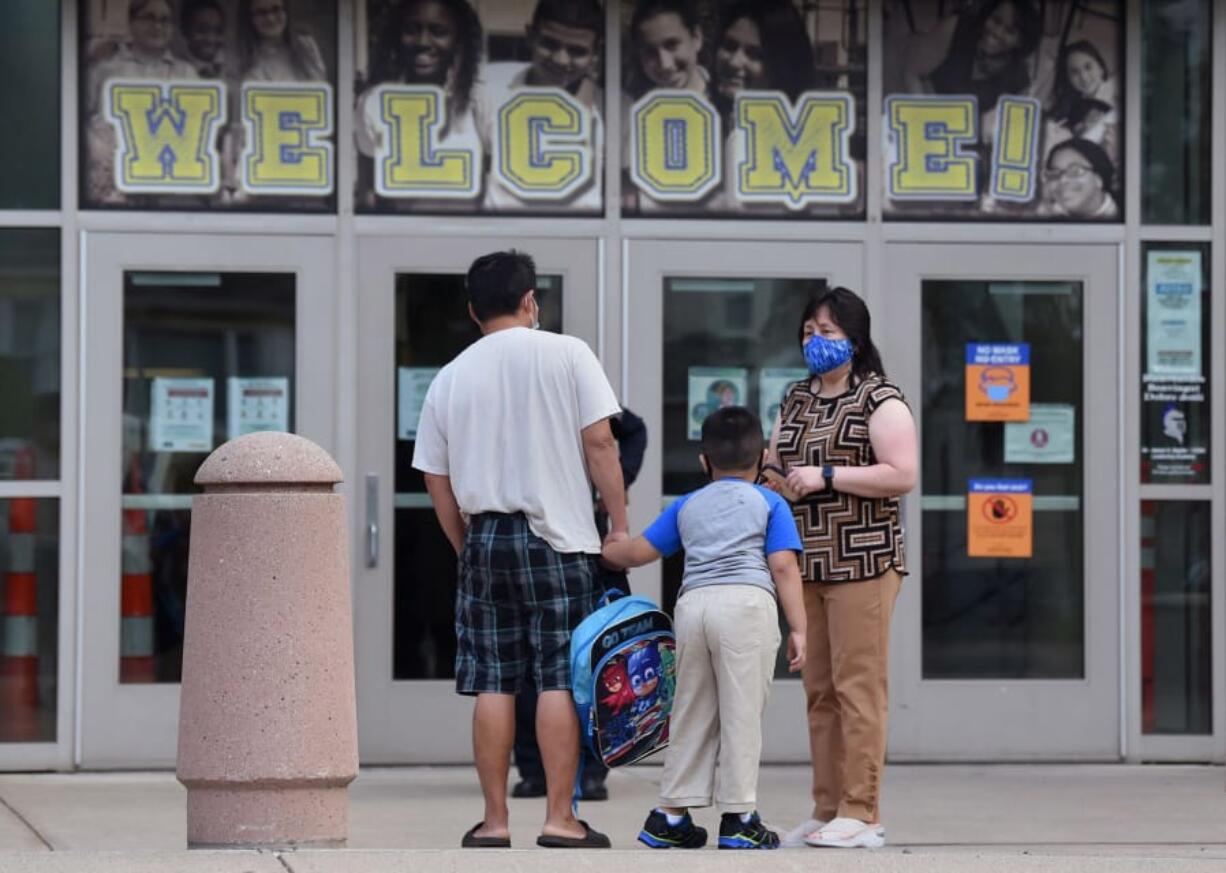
column 953, row 76
column 636, row 82
column 1083, row 106
column 248, row 40
column 1098, row 159
column 387, row 64
column 497, row 282
column 786, row 51
column 851, row 314
column 1064, row 96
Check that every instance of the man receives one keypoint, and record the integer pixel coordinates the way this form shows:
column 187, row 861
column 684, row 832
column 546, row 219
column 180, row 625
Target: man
column 509, row 432
column 631, row 434
column 204, row 31
column 564, row 42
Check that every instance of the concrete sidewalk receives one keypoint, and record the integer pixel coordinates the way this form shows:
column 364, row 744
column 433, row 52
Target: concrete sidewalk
column 939, row 818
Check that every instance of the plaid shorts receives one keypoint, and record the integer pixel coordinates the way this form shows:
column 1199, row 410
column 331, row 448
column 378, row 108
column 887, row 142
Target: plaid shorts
column 517, row 603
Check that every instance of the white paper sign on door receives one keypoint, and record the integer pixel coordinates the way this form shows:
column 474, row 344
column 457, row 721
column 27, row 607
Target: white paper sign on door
column 181, row 415
column 773, row 382
column 712, row 388
column 412, row 383
column 256, row 404
column 1173, row 289
column 1048, row 438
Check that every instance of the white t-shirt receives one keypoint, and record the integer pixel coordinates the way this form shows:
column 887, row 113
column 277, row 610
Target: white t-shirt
column 504, row 421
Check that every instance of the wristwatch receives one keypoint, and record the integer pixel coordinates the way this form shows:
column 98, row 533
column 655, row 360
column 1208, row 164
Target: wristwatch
column 828, row 475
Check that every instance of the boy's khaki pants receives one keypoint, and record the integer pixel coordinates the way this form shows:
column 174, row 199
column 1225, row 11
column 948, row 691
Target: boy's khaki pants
column 847, row 690
column 727, row 639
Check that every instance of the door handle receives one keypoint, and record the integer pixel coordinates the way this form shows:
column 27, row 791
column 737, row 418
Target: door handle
column 372, row 520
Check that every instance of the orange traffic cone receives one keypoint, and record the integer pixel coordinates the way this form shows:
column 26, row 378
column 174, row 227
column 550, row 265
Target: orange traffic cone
column 136, row 661
column 19, row 710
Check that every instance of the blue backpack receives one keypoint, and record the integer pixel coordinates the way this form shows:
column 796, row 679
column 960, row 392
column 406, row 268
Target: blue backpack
column 623, row 660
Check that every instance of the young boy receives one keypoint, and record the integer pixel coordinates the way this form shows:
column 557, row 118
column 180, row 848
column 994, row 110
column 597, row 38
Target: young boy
column 740, row 546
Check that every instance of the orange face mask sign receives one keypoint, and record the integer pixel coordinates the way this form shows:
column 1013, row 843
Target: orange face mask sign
column 1000, row 518
column 997, row 381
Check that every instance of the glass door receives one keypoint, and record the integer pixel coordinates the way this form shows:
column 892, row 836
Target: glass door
column 1007, row 631
column 191, row 341
column 708, row 324
column 413, row 320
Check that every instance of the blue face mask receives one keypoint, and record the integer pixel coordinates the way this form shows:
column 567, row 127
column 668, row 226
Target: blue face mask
column 824, row 355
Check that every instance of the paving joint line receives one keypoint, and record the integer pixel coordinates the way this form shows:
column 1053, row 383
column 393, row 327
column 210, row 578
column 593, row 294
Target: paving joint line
column 280, row 856
column 25, row 821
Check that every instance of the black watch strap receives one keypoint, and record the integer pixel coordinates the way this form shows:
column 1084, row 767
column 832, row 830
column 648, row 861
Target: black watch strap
column 828, row 475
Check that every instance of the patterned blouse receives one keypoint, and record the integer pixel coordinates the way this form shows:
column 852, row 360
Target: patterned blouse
column 847, row 538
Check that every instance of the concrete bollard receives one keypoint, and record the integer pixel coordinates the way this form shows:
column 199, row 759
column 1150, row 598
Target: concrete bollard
column 268, row 722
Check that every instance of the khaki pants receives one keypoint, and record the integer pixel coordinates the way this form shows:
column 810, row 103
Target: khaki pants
column 846, row 689
column 727, row 639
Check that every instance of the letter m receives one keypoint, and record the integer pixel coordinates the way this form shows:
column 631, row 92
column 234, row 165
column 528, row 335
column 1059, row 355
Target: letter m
column 167, row 135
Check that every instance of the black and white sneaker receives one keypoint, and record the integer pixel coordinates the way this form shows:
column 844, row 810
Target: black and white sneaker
column 734, row 833
column 659, row 834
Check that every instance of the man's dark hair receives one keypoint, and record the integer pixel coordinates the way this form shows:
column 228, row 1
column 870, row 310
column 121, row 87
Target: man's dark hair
column 579, row 14
column 188, row 13
column 497, row 282
column 732, row 439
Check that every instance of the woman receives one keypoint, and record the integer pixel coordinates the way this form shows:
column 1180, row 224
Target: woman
column 988, row 53
column 666, row 47
column 1079, row 180
column 270, row 50
column 761, row 45
column 847, row 442
column 147, row 55
column 429, row 42
column 1081, row 74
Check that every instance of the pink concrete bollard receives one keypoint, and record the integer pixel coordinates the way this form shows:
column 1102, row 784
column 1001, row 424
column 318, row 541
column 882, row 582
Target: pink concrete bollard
column 268, row 723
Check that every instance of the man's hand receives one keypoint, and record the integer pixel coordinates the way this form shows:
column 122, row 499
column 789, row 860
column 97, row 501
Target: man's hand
column 796, row 651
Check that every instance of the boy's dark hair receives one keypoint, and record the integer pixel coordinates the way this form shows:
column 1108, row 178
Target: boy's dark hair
column 1082, row 108
column 579, row 14
column 732, row 439
column 497, row 282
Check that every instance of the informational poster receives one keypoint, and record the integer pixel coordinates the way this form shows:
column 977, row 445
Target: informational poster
column 1049, row 437
column 1000, row 518
column 997, row 381
column 1170, row 449
column 1173, row 293
column 1003, row 110
column 412, row 383
column 480, row 107
column 711, row 388
column 773, row 383
column 744, row 108
column 256, row 404
column 181, row 415
column 207, row 104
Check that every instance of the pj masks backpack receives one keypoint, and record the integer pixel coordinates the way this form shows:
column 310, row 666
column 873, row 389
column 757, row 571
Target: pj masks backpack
column 623, row 675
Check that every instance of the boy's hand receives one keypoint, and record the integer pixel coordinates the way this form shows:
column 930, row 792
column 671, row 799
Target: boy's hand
column 796, row 651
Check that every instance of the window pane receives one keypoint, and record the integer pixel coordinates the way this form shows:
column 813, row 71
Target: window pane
column 1176, row 130
column 432, row 327
column 29, row 353
column 30, row 91
column 29, row 617
column 1003, row 617
column 1175, row 383
column 1176, row 618
column 207, row 357
column 726, row 342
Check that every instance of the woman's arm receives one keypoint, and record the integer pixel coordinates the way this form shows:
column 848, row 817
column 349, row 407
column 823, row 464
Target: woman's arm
column 891, row 431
